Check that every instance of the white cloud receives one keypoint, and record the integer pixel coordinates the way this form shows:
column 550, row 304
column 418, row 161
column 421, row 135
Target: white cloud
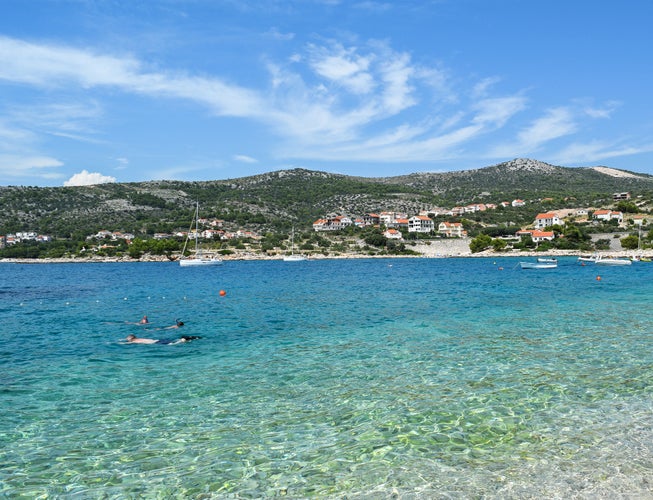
column 556, row 123
column 16, row 165
column 275, row 34
column 497, row 111
column 343, row 66
column 334, row 102
column 601, row 112
column 245, row 159
column 51, row 66
column 86, row 178
column 595, row 151
column 482, row 87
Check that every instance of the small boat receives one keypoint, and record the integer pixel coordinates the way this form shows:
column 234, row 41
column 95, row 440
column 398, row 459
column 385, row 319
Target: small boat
column 588, row 258
column 198, row 259
column 293, row 257
column 607, row 261
column 538, row 265
column 548, row 260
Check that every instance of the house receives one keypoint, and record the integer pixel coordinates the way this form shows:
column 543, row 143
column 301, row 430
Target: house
column 608, row 215
column 546, row 219
column 103, row 234
column 321, row 225
column 640, row 219
column 420, row 224
column 332, row 223
column 518, row 203
column 389, row 218
column 393, row 234
column 452, row 229
column 212, row 234
column 371, row 219
column 536, row 235
column 402, row 223
column 621, row 196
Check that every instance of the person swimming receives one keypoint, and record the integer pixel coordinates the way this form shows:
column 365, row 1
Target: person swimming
column 133, row 339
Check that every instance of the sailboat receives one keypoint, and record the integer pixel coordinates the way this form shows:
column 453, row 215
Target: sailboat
column 198, row 259
column 293, row 257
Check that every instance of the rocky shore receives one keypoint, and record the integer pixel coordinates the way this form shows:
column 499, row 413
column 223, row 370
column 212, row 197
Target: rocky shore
column 430, row 249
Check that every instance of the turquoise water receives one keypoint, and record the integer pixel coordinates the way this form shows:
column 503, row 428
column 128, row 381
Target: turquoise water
column 412, row 378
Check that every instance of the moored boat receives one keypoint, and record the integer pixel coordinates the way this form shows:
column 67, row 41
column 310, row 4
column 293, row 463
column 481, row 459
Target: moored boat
column 197, row 259
column 608, row 261
column 538, row 265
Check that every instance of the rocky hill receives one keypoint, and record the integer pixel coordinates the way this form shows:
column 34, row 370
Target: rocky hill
column 278, row 199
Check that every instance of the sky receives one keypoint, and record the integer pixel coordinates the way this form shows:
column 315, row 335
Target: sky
column 138, row 90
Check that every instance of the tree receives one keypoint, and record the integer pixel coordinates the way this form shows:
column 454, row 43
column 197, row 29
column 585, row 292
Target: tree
column 498, row 244
column 376, row 239
column 627, row 207
column 480, row 243
column 630, row 242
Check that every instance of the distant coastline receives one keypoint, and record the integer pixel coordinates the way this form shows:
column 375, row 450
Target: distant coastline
column 451, row 248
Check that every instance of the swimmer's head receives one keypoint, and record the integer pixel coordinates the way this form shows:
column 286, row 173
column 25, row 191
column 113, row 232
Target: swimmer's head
column 180, row 323
column 130, row 338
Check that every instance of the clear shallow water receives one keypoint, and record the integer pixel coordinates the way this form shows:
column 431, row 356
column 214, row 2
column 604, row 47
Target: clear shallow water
column 421, row 378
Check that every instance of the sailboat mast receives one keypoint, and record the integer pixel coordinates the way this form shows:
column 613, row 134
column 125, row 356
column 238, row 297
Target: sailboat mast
column 197, row 226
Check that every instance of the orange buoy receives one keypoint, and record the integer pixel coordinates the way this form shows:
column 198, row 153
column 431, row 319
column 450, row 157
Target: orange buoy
column 222, row 293
column 598, row 278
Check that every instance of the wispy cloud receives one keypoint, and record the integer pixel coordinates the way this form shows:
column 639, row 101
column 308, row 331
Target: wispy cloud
column 556, row 123
column 596, row 151
column 329, row 101
column 245, row 159
column 26, row 165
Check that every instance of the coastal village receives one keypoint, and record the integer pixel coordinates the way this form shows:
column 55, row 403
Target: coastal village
column 394, row 225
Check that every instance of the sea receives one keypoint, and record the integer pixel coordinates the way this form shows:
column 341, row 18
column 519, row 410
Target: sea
column 412, row 378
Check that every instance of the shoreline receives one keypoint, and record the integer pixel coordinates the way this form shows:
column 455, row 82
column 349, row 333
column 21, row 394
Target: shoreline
column 424, row 252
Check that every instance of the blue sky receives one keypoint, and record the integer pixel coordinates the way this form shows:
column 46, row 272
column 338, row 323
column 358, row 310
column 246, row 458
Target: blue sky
column 136, row 90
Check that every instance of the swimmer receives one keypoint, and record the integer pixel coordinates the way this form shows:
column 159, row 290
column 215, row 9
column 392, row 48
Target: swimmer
column 133, row 339
column 142, row 321
column 178, row 324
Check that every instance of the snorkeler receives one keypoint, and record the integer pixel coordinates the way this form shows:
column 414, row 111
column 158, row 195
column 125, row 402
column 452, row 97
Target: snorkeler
column 133, row 339
column 178, row 324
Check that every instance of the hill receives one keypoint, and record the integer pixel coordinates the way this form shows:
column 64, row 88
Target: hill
column 278, row 199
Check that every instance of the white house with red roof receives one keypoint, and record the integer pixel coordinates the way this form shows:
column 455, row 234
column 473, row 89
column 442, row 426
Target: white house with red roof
column 536, row 235
column 608, row 215
column 393, row 234
column 546, row 219
column 420, row 224
column 452, row 229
